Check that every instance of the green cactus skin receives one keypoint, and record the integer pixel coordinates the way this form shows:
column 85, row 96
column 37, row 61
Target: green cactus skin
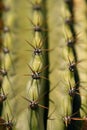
column 3, row 36
column 37, row 117
column 32, row 92
column 82, row 46
column 7, row 72
column 1, row 23
column 61, row 71
column 64, row 78
column 61, row 108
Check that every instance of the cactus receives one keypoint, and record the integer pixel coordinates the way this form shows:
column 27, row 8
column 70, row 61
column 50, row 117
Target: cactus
column 42, row 71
